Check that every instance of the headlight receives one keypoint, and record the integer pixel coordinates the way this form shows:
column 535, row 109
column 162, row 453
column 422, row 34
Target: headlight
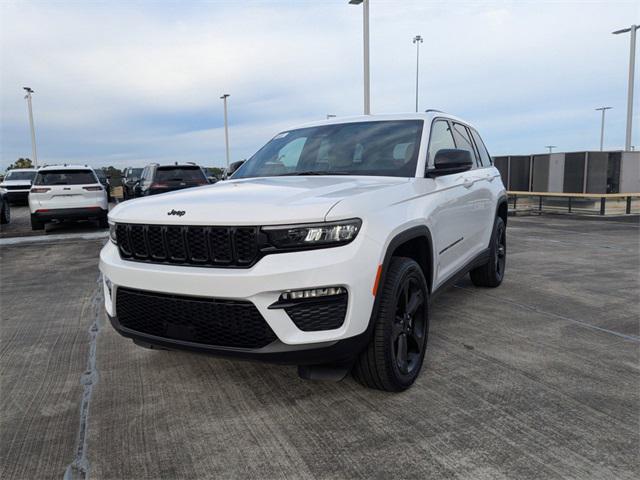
column 112, row 233
column 313, row 235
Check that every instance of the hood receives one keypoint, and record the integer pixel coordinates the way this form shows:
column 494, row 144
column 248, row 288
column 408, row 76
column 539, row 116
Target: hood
column 15, row 183
column 257, row 201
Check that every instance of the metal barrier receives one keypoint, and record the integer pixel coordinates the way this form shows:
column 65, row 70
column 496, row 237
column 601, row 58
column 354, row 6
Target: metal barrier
column 571, row 197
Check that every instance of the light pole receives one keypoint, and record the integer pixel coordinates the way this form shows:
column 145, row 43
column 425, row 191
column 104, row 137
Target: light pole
column 417, row 40
column 550, row 147
column 34, row 150
column 226, row 127
column 632, row 66
column 365, row 32
column 603, row 109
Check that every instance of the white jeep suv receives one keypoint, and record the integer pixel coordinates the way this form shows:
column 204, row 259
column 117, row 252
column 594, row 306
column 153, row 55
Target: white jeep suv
column 322, row 250
column 67, row 192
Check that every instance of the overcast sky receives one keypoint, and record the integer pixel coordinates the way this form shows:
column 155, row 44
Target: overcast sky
column 126, row 83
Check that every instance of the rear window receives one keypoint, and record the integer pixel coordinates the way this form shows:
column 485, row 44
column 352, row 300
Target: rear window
column 179, row 174
column 65, row 177
column 20, row 176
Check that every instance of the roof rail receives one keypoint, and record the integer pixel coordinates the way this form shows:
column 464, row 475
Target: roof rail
column 429, row 110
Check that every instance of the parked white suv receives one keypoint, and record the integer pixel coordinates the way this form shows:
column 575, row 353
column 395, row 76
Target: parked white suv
column 17, row 183
column 67, row 192
column 322, row 250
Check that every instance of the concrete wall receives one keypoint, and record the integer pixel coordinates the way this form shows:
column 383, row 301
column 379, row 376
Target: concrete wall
column 630, row 172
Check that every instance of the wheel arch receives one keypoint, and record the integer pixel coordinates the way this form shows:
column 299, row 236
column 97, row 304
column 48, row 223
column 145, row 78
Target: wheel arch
column 502, row 209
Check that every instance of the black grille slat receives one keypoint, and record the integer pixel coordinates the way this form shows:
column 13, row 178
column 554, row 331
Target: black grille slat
column 138, row 242
column 202, row 246
column 220, row 242
column 201, row 320
column 176, row 244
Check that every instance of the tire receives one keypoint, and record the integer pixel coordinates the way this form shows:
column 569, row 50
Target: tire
column 492, row 273
column 36, row 224
column 5, row 215
column 382, row 365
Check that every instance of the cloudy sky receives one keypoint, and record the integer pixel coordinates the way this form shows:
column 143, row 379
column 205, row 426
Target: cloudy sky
column 128, row 82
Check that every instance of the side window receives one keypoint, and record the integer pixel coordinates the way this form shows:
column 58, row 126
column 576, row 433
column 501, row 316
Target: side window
column 440, row 138
column 463, row 142
column 485, row 158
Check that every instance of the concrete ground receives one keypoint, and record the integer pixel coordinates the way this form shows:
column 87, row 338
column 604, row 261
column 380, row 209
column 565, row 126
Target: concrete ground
column 539, row 378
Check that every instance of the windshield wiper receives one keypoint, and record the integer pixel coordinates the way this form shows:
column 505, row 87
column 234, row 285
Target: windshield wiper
column 315, row 172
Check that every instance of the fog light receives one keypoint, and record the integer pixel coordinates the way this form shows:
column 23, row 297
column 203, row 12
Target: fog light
column 313, row 293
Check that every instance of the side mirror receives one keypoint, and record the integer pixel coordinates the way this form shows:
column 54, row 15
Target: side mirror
column 450, row 160
column 233, row 167
column 212, row 179
column 137, row 188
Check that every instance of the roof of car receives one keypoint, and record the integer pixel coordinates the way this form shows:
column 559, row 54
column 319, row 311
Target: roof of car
column 64, row 167
column 427, row 116
column 22, row 170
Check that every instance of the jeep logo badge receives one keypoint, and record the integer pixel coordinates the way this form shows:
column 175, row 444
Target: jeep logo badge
column 176, row 212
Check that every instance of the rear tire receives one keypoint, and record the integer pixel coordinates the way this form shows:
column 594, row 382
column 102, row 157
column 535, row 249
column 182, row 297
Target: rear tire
column 492, row 273
column 36, row 224
column 394, row 356
column 5, row 215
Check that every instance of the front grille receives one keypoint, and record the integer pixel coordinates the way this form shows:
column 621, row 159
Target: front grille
column 207, row 321
column 189, row 245
column 315, row 315
column 17, row 187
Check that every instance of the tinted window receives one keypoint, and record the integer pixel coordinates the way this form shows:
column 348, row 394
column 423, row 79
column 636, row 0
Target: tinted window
column 441, row 138
column 134, row 172
column 20, row 176
column 179, row 174
column 65, row 177
column 485, row 158
column 463, row 142
column 386, row 148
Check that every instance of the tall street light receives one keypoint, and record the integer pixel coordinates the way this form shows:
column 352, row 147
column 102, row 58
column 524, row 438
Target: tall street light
column 226, row 127
column 603, row 109
column 34, row 150
column 550, row 147
column 632, row 66
column 365, row 31
column 417, row 40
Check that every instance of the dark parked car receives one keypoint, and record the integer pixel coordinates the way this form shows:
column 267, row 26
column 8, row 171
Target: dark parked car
column 129, row 179
column 157, row 178
column 105, row 181
column 5, row 209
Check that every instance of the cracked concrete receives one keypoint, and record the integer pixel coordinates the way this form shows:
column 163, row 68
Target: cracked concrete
column 537, row 379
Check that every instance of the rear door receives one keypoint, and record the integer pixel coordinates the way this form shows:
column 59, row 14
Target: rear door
column 67, row 188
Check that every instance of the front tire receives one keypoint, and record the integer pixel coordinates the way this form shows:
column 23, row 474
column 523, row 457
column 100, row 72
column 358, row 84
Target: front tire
column 394, row 356
column 492, row 273
column 36, row 224
column 5, row 215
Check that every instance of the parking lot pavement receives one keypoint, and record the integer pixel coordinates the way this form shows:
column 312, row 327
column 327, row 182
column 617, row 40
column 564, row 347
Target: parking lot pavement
column 536, row 379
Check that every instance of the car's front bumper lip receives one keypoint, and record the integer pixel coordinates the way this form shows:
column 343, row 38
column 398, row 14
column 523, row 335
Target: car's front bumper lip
column 352, row 267
column 339, row 351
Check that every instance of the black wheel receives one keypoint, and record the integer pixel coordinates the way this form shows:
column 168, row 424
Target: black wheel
column 393, row 358
column 36, row 224
column 5, row 215
column 492, row 273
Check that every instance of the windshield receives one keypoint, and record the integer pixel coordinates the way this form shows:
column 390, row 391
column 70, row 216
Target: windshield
column 65, row 177
column 384, row 148
column 20, row 176
column 134, row 172
column 179, row 174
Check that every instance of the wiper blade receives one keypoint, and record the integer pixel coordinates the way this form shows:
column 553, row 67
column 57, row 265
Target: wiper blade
column 315, row 172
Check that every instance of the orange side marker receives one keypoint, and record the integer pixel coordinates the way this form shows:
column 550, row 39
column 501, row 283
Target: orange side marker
column 377, row 280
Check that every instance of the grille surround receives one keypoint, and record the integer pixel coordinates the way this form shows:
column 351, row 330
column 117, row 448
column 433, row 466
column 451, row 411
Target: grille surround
column 192, row 245
column 199, row 320
column 318, row 314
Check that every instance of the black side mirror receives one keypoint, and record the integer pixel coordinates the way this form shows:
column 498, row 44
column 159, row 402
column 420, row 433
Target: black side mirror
column 450, row 160
column 233, row 167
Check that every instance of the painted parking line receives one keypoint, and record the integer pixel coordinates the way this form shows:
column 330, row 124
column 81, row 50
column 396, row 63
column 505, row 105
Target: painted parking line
column 53, row 238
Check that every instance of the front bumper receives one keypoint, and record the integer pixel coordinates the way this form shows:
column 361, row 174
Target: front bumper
column 18, row 195
column 352, row 267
